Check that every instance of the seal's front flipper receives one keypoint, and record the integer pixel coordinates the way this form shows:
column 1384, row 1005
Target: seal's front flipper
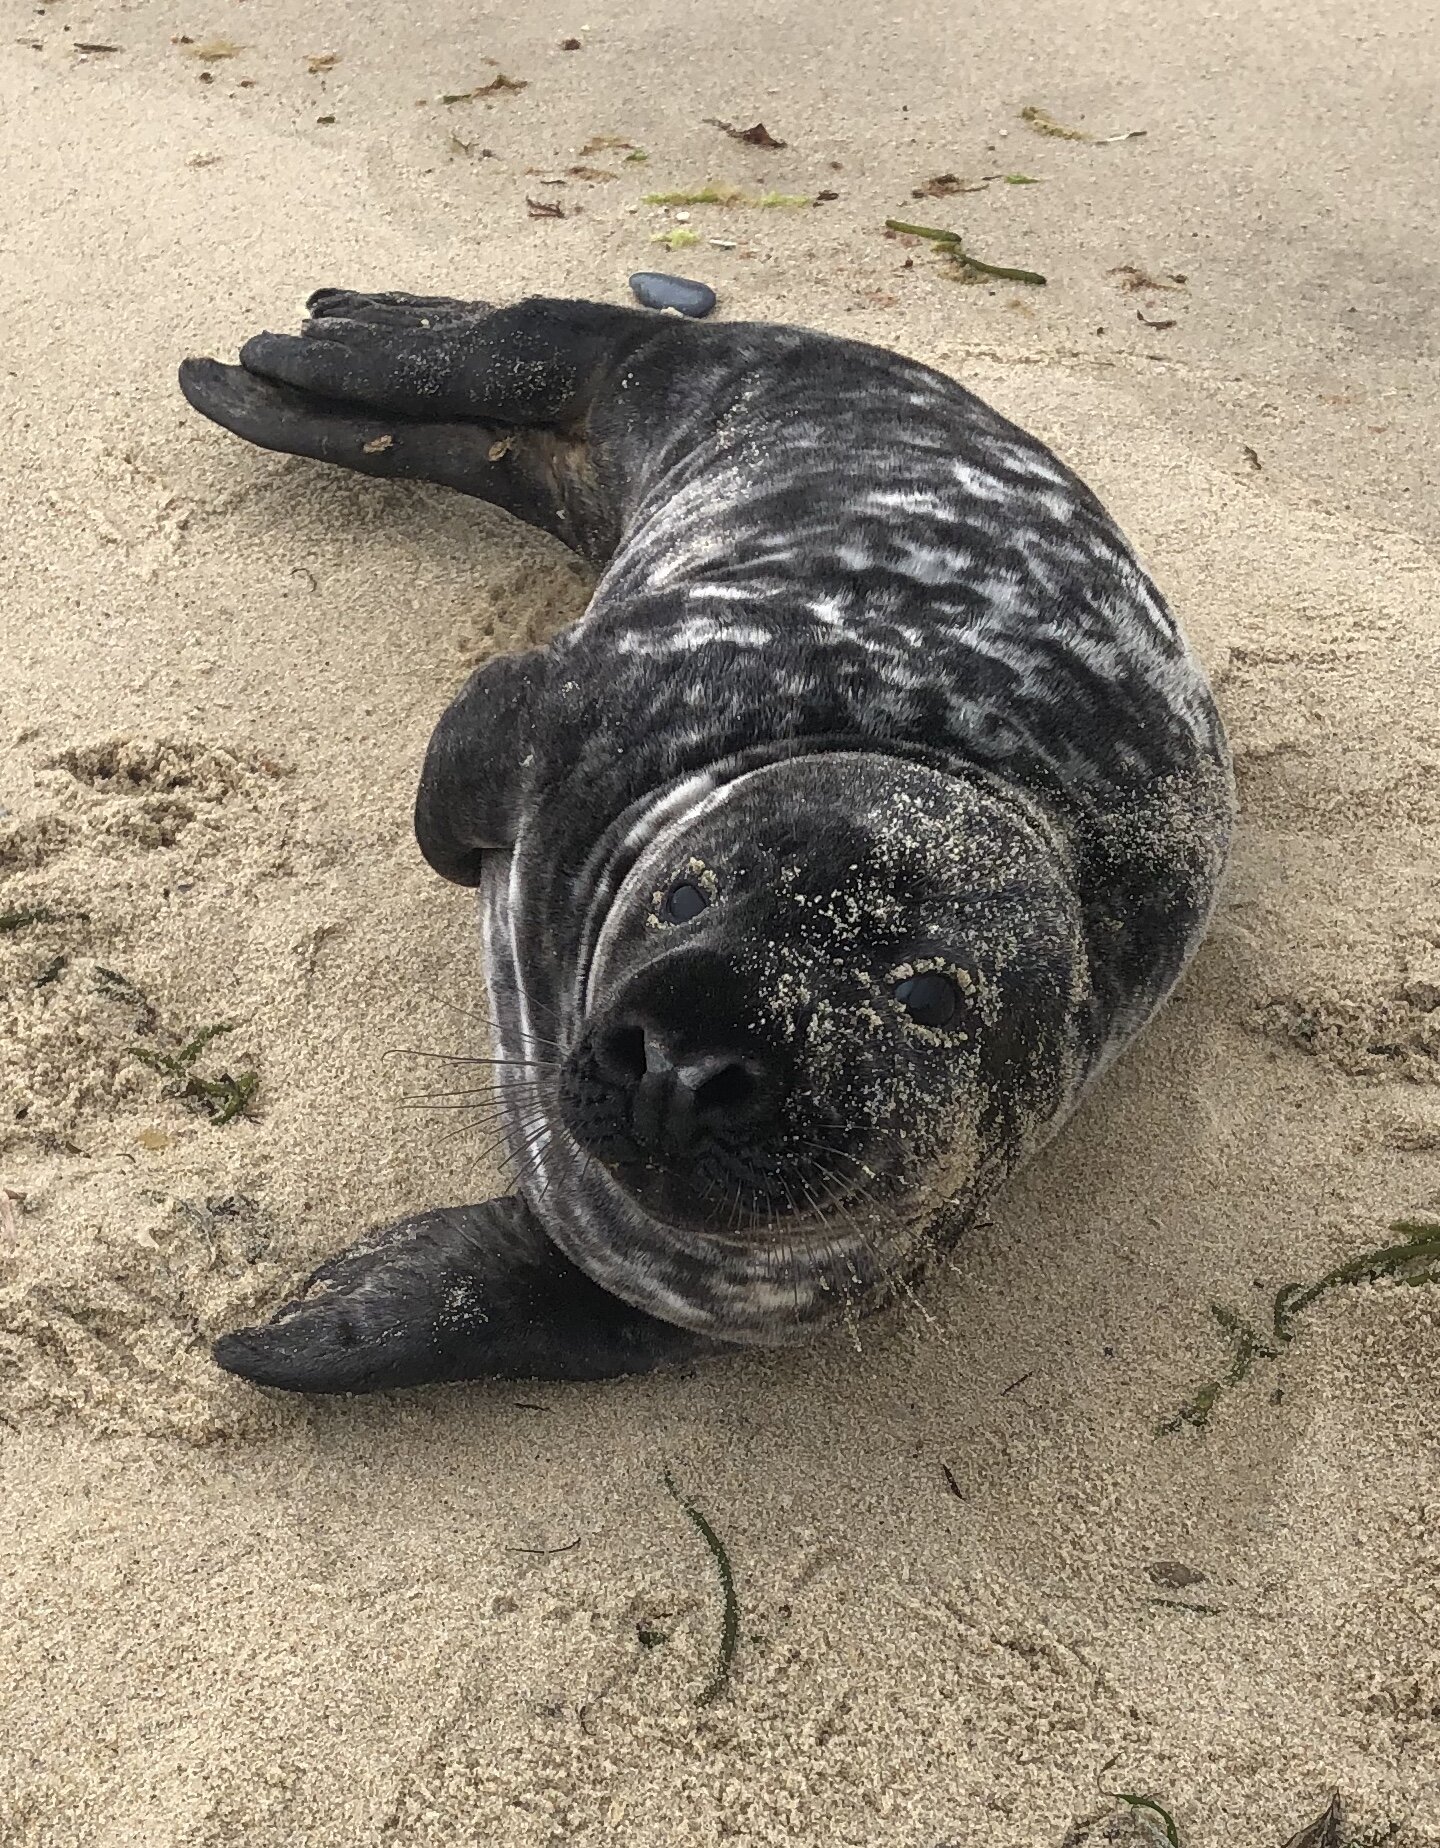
column 469, row 794
column 461, row 1293
column 536, row 361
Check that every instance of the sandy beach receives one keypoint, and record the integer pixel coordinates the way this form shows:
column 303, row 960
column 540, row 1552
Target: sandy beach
column 1080, row 1522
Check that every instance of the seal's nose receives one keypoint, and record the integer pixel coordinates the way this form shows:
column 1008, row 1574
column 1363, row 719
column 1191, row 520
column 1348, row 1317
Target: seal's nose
column 675, row 1097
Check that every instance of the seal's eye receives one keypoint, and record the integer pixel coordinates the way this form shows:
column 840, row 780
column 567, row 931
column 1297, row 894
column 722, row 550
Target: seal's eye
column 684, row 902
column 929, row 1000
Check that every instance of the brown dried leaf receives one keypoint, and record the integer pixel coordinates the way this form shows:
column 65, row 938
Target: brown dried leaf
column 757, row 134
column 943, row 185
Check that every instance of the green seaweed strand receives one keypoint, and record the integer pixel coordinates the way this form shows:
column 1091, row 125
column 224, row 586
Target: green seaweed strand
column 730, row 1628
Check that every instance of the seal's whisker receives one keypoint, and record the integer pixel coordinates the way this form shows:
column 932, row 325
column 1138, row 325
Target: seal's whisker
column 464, row 1058
column 486, row 1018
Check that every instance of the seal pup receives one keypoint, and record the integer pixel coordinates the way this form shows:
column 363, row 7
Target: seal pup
column 874, row 803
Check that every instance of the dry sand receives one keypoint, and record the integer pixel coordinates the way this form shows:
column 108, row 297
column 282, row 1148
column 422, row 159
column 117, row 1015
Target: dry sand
column 237, row 1621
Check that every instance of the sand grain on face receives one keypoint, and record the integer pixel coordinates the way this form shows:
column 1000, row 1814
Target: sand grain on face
column 230, row 1620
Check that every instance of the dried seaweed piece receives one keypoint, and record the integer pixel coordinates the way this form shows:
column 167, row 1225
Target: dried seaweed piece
column 211, row 50
column 571, row 44
column 597, row 143
column 948, row 244
column 1324, row 1832
column 757, row 134
column 1175, row 1576
column 730, row 1627
column 1419, row 1253
column 1045, row 124
column 1140, row 315
column 1250, row 456
column 545, row 208
column 724, row 193
column 681, row 238
column 27, row 915
column 94, row 48
column 589, row 173
column 498, row 85
column 1149, row 1805
column 1134, row 279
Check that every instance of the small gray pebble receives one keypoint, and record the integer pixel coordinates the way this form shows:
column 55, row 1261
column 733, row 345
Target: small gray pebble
column 652, row 290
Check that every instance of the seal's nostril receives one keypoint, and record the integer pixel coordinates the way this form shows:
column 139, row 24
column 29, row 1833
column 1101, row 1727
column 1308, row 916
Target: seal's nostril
column 725, row 1092
column 620, row 1054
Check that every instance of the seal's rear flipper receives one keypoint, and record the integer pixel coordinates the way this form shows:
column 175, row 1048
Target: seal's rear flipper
column 468, row 457
column 535, row 362
column 461, row 1293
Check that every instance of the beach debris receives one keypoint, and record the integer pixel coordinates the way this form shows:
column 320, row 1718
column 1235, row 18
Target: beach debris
column 322, row 61
column 653, row 289
column 637, row 155
column 1021, row 179
column 545, row 208
column 499, row 85
column 571, row 44
column 92, row 49
column 1147, row 1806
column 590, row 173
column 25, row 916
column 945, row 186
column 325, row 121
column 1415, row 1260
column 223, row 1098
column 377, row 445
column 116, row 987
column 1133, row 279
column 1140, row 315
column 51, row 972
column 948, row 244
column 1324, row 1832
column 951, row 1483
column 1250, row 456
column 677, row 238
column 209, row 50
column 1173, row 1575
column 757, row 134
column 730, row 1625
column 724, row 193
column 1044, row 123
column 598, row 144
column 824, row 198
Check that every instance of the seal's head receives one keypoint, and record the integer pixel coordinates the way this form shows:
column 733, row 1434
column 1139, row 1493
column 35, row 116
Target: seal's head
column 840, row 990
